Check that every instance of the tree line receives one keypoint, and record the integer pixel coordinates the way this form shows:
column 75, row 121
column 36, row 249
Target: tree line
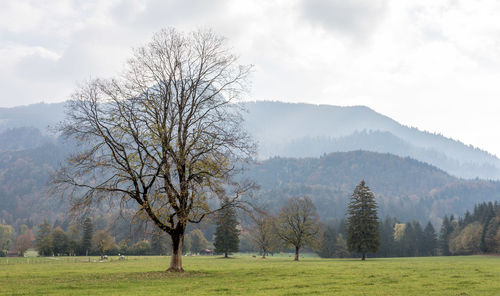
column 295, row 227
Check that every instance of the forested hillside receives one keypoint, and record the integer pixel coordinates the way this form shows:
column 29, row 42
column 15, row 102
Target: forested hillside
column 405, row 188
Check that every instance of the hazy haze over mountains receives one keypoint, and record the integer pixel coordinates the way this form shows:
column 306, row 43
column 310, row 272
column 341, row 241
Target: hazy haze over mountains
column 307, row 130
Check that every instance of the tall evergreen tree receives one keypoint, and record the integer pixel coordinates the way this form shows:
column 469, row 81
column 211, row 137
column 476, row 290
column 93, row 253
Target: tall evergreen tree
column 444, row 235
column 227, row 234
column 430, row 240
column 362, row 226
column 88, row 231
column 487, row 220
column 387, row 244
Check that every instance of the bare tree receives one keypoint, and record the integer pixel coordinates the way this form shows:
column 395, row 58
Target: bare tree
column 263, row 232
column 103, row 241
column 166, row 135
column 298, row 223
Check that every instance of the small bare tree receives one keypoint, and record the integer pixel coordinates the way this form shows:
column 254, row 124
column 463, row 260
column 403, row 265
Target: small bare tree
column 298, row 223
column 103, row 241
column 263, row 232
column 166, row 135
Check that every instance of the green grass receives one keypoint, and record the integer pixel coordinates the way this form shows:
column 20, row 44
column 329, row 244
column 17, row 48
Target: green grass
column 244, row 275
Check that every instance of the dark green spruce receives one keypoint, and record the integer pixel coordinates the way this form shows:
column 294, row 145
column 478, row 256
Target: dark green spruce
column 362, row 224
column 88, row 231
column 227, row 234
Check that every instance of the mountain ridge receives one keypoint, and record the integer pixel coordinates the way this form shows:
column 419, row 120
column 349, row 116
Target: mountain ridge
column 308, row 130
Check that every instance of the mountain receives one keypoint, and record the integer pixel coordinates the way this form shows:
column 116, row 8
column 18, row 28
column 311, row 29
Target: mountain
column 307, row 130
column 404, row 187
column 42, row 116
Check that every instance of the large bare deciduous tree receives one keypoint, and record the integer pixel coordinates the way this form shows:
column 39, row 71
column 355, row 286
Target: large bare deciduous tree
column 298, row 223
column 166, row 135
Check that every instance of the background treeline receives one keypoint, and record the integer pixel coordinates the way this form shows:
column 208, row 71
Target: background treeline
column 396, row 239
column 115, row 234
column 474, row 233
column 477, row 232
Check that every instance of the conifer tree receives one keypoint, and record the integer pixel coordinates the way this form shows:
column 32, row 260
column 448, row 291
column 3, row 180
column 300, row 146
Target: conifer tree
column 227, row 234
column 387, row 244
column 87, row 235
column 430, row 240
column 363, row 225
column 446, row 230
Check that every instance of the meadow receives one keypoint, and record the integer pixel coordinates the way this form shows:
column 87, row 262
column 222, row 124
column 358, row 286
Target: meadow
column 245, row 275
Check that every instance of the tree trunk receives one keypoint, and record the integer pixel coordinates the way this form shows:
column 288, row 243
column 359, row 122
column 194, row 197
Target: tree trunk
column 364, row 257
column 263, row 254
column 225, row 255
column 176, row 260
column 296, row 254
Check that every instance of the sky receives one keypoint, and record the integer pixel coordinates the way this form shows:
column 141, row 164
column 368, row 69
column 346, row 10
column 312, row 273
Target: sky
column 431, row 64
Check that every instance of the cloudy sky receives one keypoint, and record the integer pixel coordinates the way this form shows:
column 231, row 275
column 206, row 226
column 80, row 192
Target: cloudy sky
column 432, row 64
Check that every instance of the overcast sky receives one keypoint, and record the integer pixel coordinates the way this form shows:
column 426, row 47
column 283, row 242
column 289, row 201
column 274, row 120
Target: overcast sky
column 432, row 64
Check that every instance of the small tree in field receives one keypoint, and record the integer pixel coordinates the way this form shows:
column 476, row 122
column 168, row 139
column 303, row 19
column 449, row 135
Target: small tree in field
column 298, row 223
column 165, row 137
column 263, row 232
column 198, row 241
column 363, row 226
column 227, row 233
column 103, row 241
column 24, row 242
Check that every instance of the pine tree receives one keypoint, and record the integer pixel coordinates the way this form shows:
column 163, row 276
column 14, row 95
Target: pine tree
column 87, row 236
column 430, row 240
column 363, row 225
column 387, row 244
column 227, row 234
column 487, row 220
column 447, row 228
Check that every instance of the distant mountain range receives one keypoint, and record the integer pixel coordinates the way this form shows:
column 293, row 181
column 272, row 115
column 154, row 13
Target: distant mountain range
column 306, row 130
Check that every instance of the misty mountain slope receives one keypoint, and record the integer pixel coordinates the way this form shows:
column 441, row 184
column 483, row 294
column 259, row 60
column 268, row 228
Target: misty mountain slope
column 306, row 130
column 21, row 138
column 42, row 116
column 404, row 187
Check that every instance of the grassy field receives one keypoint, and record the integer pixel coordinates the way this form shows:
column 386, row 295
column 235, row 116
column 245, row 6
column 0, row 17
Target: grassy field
column 244, row 275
